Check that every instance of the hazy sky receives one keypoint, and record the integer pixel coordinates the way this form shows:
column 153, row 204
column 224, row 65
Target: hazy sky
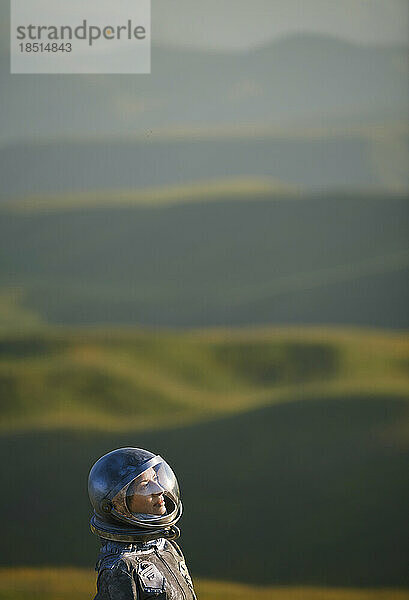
column 244, row 23
column 240, row 24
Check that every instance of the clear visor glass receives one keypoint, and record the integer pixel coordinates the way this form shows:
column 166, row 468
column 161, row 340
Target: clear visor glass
column 152, row 496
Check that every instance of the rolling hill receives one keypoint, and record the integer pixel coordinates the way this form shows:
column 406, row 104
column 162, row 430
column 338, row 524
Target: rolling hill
column 317, row 490
column 113, row 380
column 310, row 160
column 267, row 258
column 291, row 445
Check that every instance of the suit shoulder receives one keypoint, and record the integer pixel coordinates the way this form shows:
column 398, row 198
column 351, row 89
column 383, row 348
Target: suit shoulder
column 123, row 562
column 173, row 547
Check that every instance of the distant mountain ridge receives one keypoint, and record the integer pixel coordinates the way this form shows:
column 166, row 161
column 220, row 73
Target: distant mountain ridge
column 301, row 79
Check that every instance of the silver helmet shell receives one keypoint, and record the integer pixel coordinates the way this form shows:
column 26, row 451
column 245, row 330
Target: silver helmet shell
column 112, row 482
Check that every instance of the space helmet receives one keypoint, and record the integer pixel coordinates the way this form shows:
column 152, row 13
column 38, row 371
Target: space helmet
column 135, row 496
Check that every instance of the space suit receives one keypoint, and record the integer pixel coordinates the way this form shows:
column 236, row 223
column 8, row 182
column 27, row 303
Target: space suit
column 136, row 501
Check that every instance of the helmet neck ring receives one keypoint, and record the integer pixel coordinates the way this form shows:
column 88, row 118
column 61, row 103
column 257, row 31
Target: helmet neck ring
column 118, row 533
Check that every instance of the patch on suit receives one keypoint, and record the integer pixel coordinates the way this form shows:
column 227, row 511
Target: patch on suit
column 151, row 579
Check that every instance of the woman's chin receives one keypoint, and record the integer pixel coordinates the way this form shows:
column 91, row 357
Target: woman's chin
column 159, row 508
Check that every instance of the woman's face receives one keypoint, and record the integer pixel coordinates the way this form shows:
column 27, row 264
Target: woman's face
column 147, row 495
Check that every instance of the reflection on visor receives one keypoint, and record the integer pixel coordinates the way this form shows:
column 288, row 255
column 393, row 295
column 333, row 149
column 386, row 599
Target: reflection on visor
column 146, row 483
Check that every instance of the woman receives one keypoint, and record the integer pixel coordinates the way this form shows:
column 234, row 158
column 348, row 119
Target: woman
column 136, row 501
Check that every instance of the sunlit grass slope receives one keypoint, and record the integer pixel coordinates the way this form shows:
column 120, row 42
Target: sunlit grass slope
column 79, row 584
column 233, row 189
column 121, row 380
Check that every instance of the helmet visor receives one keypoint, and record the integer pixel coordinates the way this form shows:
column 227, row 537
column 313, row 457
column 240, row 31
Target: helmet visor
column 152, row 497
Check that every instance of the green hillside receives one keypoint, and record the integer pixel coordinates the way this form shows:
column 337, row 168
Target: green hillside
column 188, row 262
column 77, row 584
column 117, row 380
column 299, row 435
column 301, row 493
